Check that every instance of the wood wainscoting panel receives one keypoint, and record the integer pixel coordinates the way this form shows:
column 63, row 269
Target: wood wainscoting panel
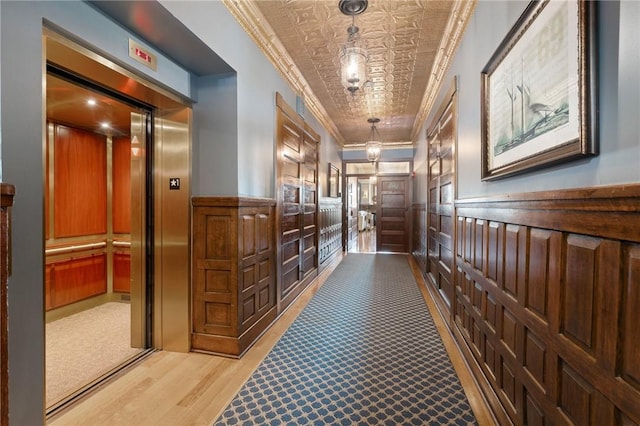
column 257, row 285
column 541, row 251
column 629, row 366
column 579, row 297
column 330, row 243
column 122, row 272
column 234, row 291
column 76, row 279
column 80, row 183
column 547, row 288
column 121, row 185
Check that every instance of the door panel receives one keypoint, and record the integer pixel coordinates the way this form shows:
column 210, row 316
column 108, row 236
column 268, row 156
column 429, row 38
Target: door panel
column 290, row 202
column 441, row 167
column 297, row 171
column 309, row 208
column 138, row 229
column 392, row 222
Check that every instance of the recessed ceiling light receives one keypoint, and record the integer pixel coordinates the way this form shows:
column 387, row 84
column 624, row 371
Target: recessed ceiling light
column 91, row 102
column 105, row 125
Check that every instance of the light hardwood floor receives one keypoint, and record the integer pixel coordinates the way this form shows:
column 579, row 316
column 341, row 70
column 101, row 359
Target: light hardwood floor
column 366, row 242
column 193, row 389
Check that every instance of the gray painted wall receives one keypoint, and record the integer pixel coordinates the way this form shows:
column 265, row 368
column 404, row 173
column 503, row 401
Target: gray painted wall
column 619, row 93
column 215, row 133
column 257, row 82
column 234, row 117
column 22, row 136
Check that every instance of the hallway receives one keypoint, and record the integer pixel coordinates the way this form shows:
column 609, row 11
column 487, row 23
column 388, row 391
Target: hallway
column 173, row 388
column 366, row 242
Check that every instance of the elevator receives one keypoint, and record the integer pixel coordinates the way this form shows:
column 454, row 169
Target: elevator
column 116, row 175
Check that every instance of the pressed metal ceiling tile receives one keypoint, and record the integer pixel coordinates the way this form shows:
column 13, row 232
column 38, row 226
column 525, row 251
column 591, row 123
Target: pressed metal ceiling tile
column 403, row 38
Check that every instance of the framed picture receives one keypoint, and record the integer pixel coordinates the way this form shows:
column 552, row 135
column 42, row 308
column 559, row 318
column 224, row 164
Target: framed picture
column 539, row 98
column 334, row 181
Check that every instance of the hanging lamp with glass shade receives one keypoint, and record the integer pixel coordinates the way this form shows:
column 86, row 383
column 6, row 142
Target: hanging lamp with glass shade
column 353, row 61
column 373, row 147
column 353, row 55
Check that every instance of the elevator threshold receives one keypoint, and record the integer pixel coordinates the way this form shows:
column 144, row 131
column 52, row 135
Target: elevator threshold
column 91, row 387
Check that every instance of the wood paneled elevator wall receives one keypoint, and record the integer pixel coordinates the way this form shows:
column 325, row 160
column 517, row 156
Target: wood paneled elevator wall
column 87, row 173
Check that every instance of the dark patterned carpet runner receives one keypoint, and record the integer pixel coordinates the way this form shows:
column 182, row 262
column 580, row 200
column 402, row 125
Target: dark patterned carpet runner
column 364, row 351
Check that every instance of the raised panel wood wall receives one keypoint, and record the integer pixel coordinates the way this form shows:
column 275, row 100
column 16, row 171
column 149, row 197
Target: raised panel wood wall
column 121, row 211
column 330, row 229
column 547, row 289
column 80, row 183
column 121, row 185
column 81, row 195
column 7, row 193
column 75, row 279
column 234, row 272
column 297, row 204
column 122, row 272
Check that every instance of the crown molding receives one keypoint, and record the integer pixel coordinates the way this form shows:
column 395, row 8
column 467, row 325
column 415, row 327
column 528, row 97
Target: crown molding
column 253, row 22
column 385, row 145
column 458, row 20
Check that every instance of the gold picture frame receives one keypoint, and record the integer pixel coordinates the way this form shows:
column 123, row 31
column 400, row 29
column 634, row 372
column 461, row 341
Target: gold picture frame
column 539, row 97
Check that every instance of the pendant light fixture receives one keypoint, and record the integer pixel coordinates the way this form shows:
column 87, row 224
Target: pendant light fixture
column 353, row 55
column 373, row 147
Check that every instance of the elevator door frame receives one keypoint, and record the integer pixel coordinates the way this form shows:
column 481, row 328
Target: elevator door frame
column 168, row 309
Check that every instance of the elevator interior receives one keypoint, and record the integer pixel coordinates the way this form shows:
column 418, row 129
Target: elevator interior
column 115, row 233
column 93, row 143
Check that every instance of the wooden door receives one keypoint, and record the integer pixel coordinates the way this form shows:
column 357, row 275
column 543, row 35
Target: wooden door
column 297, row 207
column 440, row 205
column 309, row 205
column 392, row 214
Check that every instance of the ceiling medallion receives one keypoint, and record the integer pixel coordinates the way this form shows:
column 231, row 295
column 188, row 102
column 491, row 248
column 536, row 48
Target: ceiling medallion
column 353, row 7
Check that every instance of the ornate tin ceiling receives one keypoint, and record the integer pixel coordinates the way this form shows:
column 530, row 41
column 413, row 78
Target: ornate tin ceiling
column 409, row 44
